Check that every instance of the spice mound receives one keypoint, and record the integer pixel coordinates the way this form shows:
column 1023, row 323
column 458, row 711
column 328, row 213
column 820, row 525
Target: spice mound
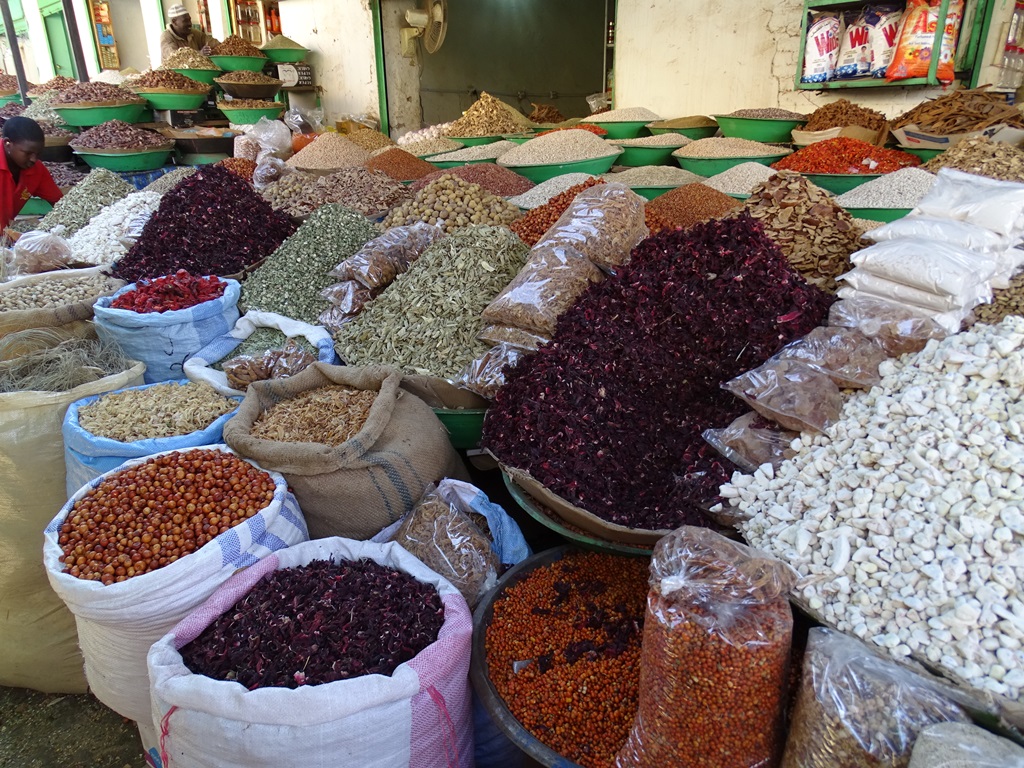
column 170, row 292
column 58, row 368
column 845, row 155
column 96, row 191
column 328, row 415
column 740, row 179
column 306, row 615
column 535, row 223
column 768, row 113
column 248, row 78
column 368, row 192
column 982, row 156
column 563, row 652
column 9, row 83
column 187, row 58
column 247, row 104
column 58, row 83
column 627, row 115
column 400, row 165
column 149, row 515
column 546, row 190
column 487, row 117
column 841, row 113
column 147, row 413
column 900, row 189
column 236, row 46
column 594, row 129
column 239, row 166
column 171, row 81
column 327, row 151
column 116, row 134
column 280, row 42
column 728, row 147
column 427, row 147
column 491, row 151
column 451, row 203
column 369, row 139
column 82, row 93
column 690, row 204
column 560, row 147
column 48, row 294
column 491, row 177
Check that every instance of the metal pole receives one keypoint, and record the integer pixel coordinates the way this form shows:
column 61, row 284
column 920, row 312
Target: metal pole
column 76, row 41
column 12, row 40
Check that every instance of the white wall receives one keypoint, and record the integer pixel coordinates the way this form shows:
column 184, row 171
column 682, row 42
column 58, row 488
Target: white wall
column 40, row 49
column 130, row 33
column 339, row 34
column 716, row 56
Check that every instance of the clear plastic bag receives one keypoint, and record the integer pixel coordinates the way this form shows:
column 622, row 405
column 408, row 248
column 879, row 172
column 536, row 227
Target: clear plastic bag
column 603, row 223
column 995, row 205
column 246, row 148
column 791, row 393
column 959, row 233
column 273, row 136
column 752, row 440
column 715, row 659
column 517, row 337
column 40, row 251
column 949, row 321
column 132, row 230
column 928, row 265
column 486, row 374
column 268, row 170
column 896, row 328
column 272, row 364
column 332, row 319
column 304, row 121
column 451, row 544
column 960, row 745
column 349, row 296
column 970, row 295
column 856, row 708
column 552, row 279
column 849, row 357
column 382, row 259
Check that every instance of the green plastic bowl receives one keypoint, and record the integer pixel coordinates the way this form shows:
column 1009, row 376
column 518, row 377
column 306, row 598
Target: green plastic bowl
column 475, row 141
column 517, row 138
column 10, row 99
column 286, row 55
column 738, row 195
column 651, row 192
column 635, row 156
column 710, row 166
column 240, row 63
column 924, row 154
column 174, row 100
column 878, row 214
column 838, row 183
column 202, row 75
column 446, row 164
column 628, row 129
column 700, row 132
column 87, row 117
column 758, row 129
column 35, row 206
column 539, row 173
column 464, row 426
column 247, row 116
column 150, row 160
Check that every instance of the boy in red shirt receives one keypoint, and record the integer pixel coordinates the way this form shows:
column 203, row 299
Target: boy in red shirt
column 21, row 174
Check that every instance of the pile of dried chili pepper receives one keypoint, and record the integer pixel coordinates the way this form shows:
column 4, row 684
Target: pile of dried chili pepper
column 845, row 155
column 319, row 623
column 609, row 415
column 563, row 651
column 165, row 294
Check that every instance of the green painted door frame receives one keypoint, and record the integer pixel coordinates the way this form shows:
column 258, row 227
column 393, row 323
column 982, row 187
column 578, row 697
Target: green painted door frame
column 59, row 44
column 378, row 57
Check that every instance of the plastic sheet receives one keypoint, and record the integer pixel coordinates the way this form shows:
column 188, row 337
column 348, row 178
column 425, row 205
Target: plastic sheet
column 486, row 374
column 791, row 393
column 552, row 279
column 272, row 135
column 381, row 260
column 715, row 657
column 752, row 440
column 334, row 318
column 603, row 223
column 849, row 357
column 517, row 337
column 349, row 297
column 855, row 708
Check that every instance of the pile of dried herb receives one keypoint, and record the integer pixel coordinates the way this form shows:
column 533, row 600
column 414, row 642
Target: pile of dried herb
column 211, row 223
column 98, row 190
column 292, row 278
column 319, row 623
column 610, row 414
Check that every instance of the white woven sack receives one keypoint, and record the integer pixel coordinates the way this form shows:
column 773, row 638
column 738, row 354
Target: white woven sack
column 117, row 623
column 419, row 717
column 165, row 340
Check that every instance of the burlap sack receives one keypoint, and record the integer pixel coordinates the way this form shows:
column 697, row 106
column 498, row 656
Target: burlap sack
column 359, row 487
column 70, row 320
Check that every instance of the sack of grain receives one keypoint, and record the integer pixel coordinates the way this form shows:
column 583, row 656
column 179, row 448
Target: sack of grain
column 368, row 481
column 71, row 320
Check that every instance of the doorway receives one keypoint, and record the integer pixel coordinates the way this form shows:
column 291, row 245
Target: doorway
column 60, row 45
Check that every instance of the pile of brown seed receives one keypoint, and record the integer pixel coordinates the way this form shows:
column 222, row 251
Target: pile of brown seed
column 451, row 203
column 983, row 157
column 172, row 81
column 94, row 92
column 236, row 46
column 1005, row 301
column 248, row 78
column 691, row 204
column 487, row 117
column 368, row 192
column 369, row 139
column 116, row 134
column 329, row 415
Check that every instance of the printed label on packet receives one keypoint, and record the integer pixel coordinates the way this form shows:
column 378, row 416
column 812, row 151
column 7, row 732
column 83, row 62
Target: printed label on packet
column 821, row 48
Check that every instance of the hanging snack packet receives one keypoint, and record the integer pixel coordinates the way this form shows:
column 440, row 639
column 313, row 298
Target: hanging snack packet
column 821, row 48
column 917, row 33
column 854, row 59
column 884, row 23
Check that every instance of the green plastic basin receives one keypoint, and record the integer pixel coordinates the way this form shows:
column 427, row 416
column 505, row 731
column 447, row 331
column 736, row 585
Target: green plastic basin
column 10, row 99
column 240, row 63
column 174, row 100
column 635, row 156
column 628, row 129
column 700, row 132
column 202, row 75
column 710, row 166
column 475, row 141
column 539, row 173
column 758, row 129
column 878, row 214
column 247, row 116
column 464, row 426
column 87, row 117
column 446, row 164
column 651, row 192
column 838, row 183
column 924, row 154
column 128, row 161
column 35, row 206
column 518, row 138
column 286, row 55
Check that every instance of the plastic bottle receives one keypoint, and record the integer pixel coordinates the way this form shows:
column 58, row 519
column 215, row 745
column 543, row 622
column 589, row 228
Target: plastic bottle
column 1008, row 69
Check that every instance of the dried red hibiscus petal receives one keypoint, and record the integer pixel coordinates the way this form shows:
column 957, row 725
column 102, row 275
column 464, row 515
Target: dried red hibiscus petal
column 178, row 291
column 319, row 623
column 609, row 415
column 212, row 223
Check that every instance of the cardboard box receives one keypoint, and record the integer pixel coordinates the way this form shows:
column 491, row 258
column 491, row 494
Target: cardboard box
column 913, row 137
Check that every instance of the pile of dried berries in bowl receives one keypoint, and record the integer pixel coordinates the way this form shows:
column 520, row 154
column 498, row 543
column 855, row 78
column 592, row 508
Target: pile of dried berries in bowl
column 319, row 623
column 243, row 77
column 149, row 515
column 236, row 46
column 117, row 134
column 170, row 292
column 95, row 92
column 169, row 81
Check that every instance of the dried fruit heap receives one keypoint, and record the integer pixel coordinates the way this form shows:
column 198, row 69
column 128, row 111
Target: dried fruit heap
column 844, row 155
column 610, row 414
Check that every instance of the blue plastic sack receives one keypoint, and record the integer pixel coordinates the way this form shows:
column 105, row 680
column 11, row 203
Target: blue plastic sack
column 87, row 456
column 165, row 340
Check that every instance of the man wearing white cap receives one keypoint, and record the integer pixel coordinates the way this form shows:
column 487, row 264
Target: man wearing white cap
column 181, row 34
